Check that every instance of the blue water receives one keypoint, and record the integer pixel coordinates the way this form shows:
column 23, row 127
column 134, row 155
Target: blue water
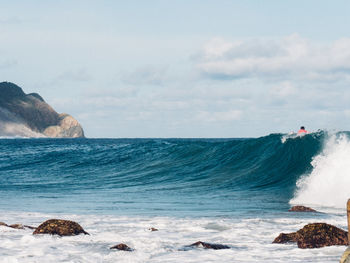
column 175, row 177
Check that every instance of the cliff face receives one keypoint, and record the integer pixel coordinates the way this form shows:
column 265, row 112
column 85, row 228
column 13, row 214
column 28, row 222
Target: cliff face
column 28, row 115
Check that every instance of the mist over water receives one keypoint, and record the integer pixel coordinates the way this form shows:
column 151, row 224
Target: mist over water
column 12, row 126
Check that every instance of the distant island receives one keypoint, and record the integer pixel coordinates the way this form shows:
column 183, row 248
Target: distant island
column 28, row 115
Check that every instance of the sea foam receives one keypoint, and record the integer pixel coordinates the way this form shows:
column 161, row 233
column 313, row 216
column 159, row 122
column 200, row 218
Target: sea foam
column 328, row 183
column 250, row 240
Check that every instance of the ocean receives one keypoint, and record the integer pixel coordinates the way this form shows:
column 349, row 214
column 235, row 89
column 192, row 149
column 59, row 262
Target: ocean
column 235, row 192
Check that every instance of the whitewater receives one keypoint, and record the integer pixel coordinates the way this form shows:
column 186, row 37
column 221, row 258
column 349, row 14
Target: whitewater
column 235, row 192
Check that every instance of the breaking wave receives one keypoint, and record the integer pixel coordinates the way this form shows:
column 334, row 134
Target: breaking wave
column 172, row 175
column 328, row 183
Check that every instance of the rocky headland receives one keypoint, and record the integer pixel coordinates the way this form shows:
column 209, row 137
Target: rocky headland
column 29, row 115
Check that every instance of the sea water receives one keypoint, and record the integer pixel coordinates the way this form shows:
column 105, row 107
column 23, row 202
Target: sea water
column 235, row 192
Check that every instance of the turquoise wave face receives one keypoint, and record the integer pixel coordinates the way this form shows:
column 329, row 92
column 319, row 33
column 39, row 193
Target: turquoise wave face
column 154, row 176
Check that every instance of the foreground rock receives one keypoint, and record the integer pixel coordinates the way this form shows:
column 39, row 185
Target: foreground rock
column 315, row 235
column 60, row 227
column 122, row 246
column 300, row 208
column 29, row 115
column 208, row 245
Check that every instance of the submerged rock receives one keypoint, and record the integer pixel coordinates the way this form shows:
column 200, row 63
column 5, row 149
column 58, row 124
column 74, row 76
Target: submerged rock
column 315, row 235
column 300, row 208
column 208, row 245
column 122, row 246
column 60, row 227
column 30, row 227
column 17, row 226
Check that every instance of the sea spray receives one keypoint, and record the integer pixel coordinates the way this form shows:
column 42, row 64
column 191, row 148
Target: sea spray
column 328, row 183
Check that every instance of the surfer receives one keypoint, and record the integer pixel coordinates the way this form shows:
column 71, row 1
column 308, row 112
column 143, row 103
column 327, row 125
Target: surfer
column 302, row 130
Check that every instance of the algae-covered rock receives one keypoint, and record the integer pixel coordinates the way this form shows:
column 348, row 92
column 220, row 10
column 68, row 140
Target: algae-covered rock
column 320, row 235
column 60, row 227
column 315, row 235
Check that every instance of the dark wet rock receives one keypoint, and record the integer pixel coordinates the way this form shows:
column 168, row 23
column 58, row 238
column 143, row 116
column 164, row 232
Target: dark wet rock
column 3, row 224
column 208, row 245
column 60, row 227
column 300, row 208
column 152, row 229
column 315, row 235
column 122, row 246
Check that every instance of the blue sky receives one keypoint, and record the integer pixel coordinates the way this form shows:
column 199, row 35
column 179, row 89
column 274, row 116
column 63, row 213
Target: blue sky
column 183, row 68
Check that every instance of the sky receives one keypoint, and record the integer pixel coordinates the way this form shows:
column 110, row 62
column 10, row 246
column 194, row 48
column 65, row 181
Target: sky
column 194, row 68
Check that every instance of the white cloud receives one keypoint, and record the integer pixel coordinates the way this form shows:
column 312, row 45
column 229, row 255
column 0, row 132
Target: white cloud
column 147, row 75
column 11, row 20
column 172, row 105
column 9, row 63
column 76, row 75
column 289, row 57
column 217, row 47
column 273, row 85
column 223, row 116
column 283, row 90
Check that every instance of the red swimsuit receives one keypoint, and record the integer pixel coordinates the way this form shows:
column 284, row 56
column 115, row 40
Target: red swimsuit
column 302, row 131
